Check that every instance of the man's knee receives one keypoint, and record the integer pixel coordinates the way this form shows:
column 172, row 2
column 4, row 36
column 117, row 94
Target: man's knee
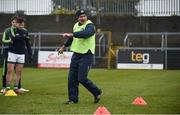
column 82, row 80
column 19, row 68
column 10, row 71
column 18, row 71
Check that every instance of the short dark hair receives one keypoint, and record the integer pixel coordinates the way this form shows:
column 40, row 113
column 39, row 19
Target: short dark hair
column 20, row 20
column 14, row 18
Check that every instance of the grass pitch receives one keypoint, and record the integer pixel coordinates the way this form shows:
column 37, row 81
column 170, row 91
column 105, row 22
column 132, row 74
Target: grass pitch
column 48, row 90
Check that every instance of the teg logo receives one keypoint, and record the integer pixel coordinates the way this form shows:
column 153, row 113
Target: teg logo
column 140, row 57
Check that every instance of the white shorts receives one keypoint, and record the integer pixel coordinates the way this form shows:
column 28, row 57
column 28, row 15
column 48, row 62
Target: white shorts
column 16, row 58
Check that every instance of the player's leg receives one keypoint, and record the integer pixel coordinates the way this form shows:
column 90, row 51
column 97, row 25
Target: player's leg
column 5, row 55
column 11, row 60
column 18, row 69
column 10, row 70
column 19, row 84
column 4, row 76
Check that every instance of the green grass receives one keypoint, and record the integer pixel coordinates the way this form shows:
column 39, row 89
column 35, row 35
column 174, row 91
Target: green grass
column 48, row 90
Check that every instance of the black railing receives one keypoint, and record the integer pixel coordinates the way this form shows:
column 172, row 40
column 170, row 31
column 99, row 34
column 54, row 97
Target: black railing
column 95, row 7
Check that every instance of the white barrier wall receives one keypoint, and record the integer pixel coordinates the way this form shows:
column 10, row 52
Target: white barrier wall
column 51, row 59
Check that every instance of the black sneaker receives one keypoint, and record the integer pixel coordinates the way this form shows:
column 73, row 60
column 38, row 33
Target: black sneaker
column 70, row 102
column 98, row 97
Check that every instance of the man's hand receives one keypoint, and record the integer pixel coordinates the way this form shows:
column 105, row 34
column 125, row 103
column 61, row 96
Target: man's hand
column 67, row 35
column 11, row 41
column 30, row 58
column 61, row 50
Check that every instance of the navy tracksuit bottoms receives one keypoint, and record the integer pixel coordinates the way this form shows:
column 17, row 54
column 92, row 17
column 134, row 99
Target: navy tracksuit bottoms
column 79, row 67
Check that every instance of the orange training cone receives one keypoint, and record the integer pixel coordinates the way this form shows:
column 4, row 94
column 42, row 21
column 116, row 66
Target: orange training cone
column 101, row 110
column 139, row 101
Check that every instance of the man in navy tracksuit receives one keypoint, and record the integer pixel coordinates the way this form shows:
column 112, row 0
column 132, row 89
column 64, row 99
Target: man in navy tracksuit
column 82, row 42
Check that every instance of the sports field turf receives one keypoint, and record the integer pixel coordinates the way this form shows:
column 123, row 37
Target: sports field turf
column 48, row 90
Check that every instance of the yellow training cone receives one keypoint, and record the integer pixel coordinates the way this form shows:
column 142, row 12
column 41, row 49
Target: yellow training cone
column 10, row 93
